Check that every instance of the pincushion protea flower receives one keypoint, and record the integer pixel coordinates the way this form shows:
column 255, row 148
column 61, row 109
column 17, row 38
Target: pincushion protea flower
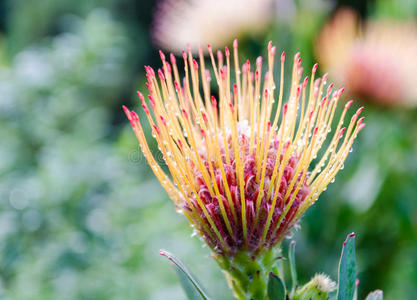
column 197, row 22
column 240, row 162
column 374, row 60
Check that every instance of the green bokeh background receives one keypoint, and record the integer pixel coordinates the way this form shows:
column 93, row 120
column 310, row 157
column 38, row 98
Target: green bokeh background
column 81, row 214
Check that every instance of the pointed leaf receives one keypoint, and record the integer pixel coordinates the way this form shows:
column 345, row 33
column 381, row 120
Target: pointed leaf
column 192, row 288
column 375, row 295
column 347, row 270
column 276, row 289
column 355, row 295
column 293, row 270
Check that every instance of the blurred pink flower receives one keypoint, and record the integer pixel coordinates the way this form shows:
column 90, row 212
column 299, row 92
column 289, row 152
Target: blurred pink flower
column 202, row 22
column 374, row 60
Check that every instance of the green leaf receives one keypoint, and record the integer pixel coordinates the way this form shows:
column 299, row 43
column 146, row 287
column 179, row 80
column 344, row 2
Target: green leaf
column 347, row 270
column 192, row 288
column 332, row 295
column 375, row 295
column 293, row 270
column 276, row 289
column 355, row 295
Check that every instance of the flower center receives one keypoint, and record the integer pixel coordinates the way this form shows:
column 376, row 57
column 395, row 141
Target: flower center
column 270, row 184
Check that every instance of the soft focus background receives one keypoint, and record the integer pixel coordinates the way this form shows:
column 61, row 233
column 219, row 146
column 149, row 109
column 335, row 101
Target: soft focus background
column 81, row 215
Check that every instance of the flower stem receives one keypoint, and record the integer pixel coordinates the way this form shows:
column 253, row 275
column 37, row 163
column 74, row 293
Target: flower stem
column 247, row 274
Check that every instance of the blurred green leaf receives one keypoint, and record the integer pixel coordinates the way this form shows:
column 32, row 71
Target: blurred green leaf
column 293, row 270
column 347, row 270
column 276, row 289
column 190, row 285
column 395, row 9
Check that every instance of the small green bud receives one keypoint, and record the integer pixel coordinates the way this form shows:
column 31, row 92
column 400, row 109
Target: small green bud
column 317, row 288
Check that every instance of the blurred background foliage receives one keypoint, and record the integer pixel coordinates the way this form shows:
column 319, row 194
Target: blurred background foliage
column 81, row 215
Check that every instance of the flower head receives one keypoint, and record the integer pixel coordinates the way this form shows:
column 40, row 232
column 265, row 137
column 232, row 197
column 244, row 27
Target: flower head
column 240, row 161
column 177, row 22
column 374, row 60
